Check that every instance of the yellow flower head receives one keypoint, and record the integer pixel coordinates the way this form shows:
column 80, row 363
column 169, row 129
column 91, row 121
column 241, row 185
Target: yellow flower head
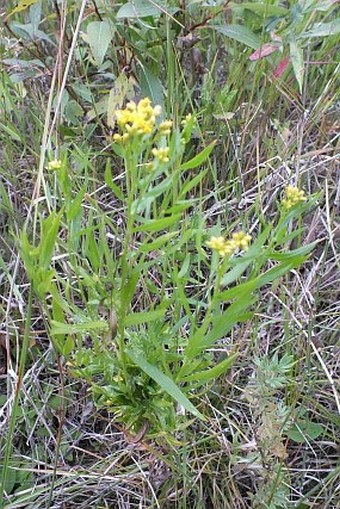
column 137, row 119
column 217, row 244
column 55, row 165
column 293, row 196
column 162, row 154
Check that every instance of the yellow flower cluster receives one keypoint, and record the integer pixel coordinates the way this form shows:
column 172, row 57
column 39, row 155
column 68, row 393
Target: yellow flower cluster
column 293, row 196
column 55, row 165
column 162, row 154
column 139, row 119
column 223, row 247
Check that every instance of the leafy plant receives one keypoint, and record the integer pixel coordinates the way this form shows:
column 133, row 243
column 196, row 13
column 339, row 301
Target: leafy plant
column 145, row 350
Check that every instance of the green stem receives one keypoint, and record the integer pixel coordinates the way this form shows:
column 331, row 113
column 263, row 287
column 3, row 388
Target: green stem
column 130, row 168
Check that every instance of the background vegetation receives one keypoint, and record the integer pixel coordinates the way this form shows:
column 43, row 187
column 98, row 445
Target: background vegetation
column 261, row 80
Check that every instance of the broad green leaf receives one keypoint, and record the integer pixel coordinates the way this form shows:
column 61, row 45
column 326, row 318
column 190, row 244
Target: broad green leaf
column 144, row 317
column 165, row 382
column 156, row 225
column 199, row 158
column 239, row 33
column 35, row 15
column 77, row 328
column 144, row 9
column 322, row 29
column 22, row 6
column 305, row 430
column 296, row 56
column 263, row 9
column 99, row 35
column 212, row 373
column 151, row 86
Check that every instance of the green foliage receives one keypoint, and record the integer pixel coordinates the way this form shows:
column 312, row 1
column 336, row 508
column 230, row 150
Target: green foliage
column 162, row 330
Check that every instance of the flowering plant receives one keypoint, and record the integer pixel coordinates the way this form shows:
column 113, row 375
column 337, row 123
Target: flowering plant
column 128, row 324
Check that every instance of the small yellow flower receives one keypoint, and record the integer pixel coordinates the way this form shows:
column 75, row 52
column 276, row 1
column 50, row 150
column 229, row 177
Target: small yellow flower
column 221, row 246
column 165, row 127
column 118, row 138
column 293, row 196
column 161, row 154
column 55, row 165
column 217, row 244
column 241, row 240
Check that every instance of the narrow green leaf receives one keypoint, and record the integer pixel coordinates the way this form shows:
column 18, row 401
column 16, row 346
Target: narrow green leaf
column 165, row 382
column 239, row 33
column 68, row 346
column 75, row 208
column 212, row 373
column 144, row 317
column 156, row 225
column 192, row 182
column 77, row 328
column 220, row 326
column 199, row 158
column 157, row 243
column 271, row 275
column 49, row 232
column 291, row 255
column 322, row 29
column 128, row 287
